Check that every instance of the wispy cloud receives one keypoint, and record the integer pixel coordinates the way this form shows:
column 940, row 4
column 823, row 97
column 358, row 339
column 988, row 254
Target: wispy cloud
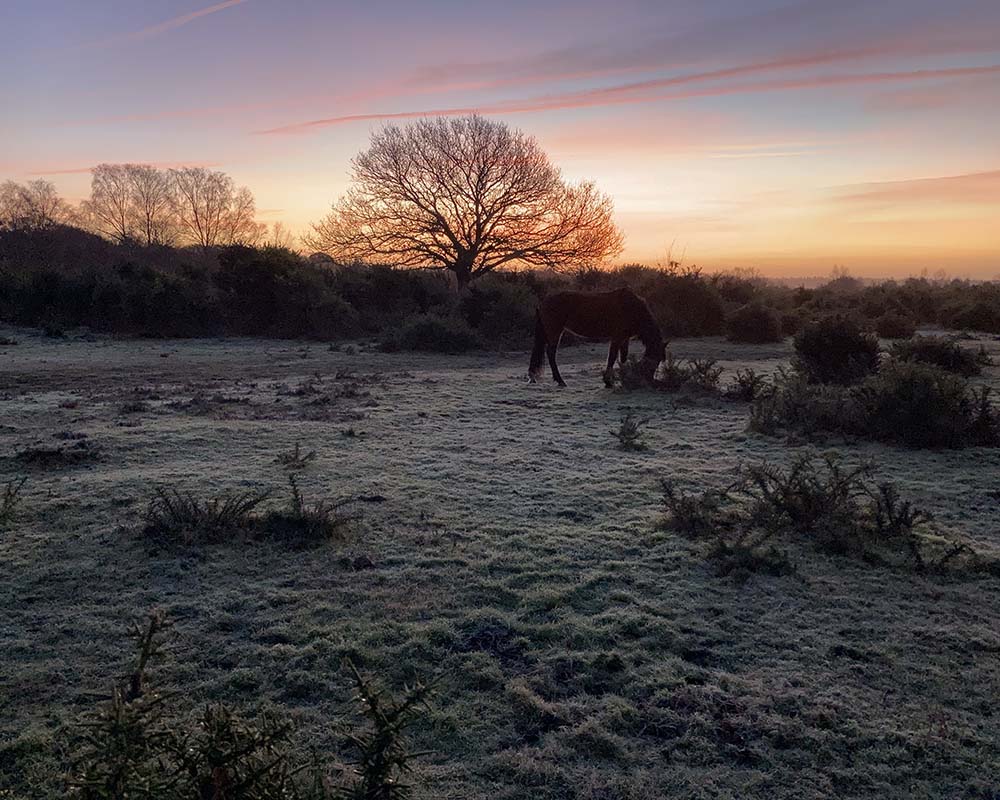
column 167, row 25
column 157, row 164
column 645, row 92
column 973, row 187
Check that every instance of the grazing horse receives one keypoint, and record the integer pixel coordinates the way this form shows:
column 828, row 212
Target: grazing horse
column 617, row 315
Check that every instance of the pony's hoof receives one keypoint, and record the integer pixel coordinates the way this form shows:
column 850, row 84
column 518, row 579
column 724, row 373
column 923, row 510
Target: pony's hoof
column 561, row 384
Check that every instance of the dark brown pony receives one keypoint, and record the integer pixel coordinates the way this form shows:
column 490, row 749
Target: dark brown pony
column 617, row 315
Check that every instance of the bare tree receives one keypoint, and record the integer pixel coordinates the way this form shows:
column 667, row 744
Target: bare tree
column 153, row 204
column 33, row 205
column 211, row 211
column 110, row 207
column 465, row 194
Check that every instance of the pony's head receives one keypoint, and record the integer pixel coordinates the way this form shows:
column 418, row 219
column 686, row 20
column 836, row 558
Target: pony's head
column 656, row 348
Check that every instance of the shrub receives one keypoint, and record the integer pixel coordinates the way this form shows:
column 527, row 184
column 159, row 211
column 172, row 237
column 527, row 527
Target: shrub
column 500, row 310
column 746, row 386
column 431, row 333
column 940, row 352
column 303, row 525
column 629, row 433
column 175, row 517
column 142, row 744
column 748, row 553
column 296, row 459
column 835, row 350
column 977, row 316
column 705, row 374
column 9, row 502
column 922, row 406
column 791, row 402
column 674, row 373
column 893, row 325
column 696, row 516
column 912, row 404
column 754, row 324
column 683, row 302
column 840, row 508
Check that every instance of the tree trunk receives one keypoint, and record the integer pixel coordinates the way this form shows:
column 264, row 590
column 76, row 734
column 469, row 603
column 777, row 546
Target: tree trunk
column 464, row 276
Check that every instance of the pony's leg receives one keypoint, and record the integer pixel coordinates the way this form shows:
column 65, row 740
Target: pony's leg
column 623, row 354
column 551, row 351
column 609, row 372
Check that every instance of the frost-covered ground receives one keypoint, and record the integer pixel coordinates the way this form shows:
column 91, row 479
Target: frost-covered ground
column 580, row 651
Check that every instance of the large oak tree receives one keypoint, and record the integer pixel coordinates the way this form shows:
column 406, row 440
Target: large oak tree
column 465, row 194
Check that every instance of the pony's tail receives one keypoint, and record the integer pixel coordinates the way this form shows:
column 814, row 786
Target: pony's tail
column 538, row 353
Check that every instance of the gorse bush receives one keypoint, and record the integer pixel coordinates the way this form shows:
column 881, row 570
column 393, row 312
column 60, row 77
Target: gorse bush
column 746, row 386
column 301, row 524
column 143, row 744
column 894, row 325
column 835, row 349
column 921, row 406
column 175, row 517
column 842, row 509
column 754, row 324
column 629, row 433
column 915, row 405
column 941, row 352
column 431, row 333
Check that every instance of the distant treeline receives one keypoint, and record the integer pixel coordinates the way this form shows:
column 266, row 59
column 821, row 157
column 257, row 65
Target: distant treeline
column 61, row 277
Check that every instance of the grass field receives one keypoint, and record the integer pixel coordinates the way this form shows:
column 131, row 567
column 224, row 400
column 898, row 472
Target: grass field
column 580, row 650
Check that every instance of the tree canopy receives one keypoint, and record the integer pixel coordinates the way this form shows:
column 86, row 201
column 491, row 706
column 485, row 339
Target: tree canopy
column 465, row 194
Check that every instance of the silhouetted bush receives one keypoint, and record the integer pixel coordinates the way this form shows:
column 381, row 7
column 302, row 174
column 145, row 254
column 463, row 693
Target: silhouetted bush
column 922, row 406
column 940, row 352
column 979, row 316
column 501, row 310
column 754, row 324
column 916, row 405
column 893, row 325
column 682, row 302
column 835, row 350
column 431, row 333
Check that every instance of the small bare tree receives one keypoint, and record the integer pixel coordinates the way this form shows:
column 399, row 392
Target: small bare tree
column 468, row 195
column 33, row 205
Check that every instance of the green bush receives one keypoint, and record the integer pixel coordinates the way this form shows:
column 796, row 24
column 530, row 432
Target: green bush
column 431, row 333
column 754, row 324
column 835, row 350
column 940, row 352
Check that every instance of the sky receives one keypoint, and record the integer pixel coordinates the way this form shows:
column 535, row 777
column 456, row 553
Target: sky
column 783, row 136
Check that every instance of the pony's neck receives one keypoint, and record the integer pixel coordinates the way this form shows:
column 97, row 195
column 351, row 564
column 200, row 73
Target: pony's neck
column 649, row 334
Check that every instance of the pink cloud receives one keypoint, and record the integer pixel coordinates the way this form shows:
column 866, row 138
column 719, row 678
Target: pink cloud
column 644, row 92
